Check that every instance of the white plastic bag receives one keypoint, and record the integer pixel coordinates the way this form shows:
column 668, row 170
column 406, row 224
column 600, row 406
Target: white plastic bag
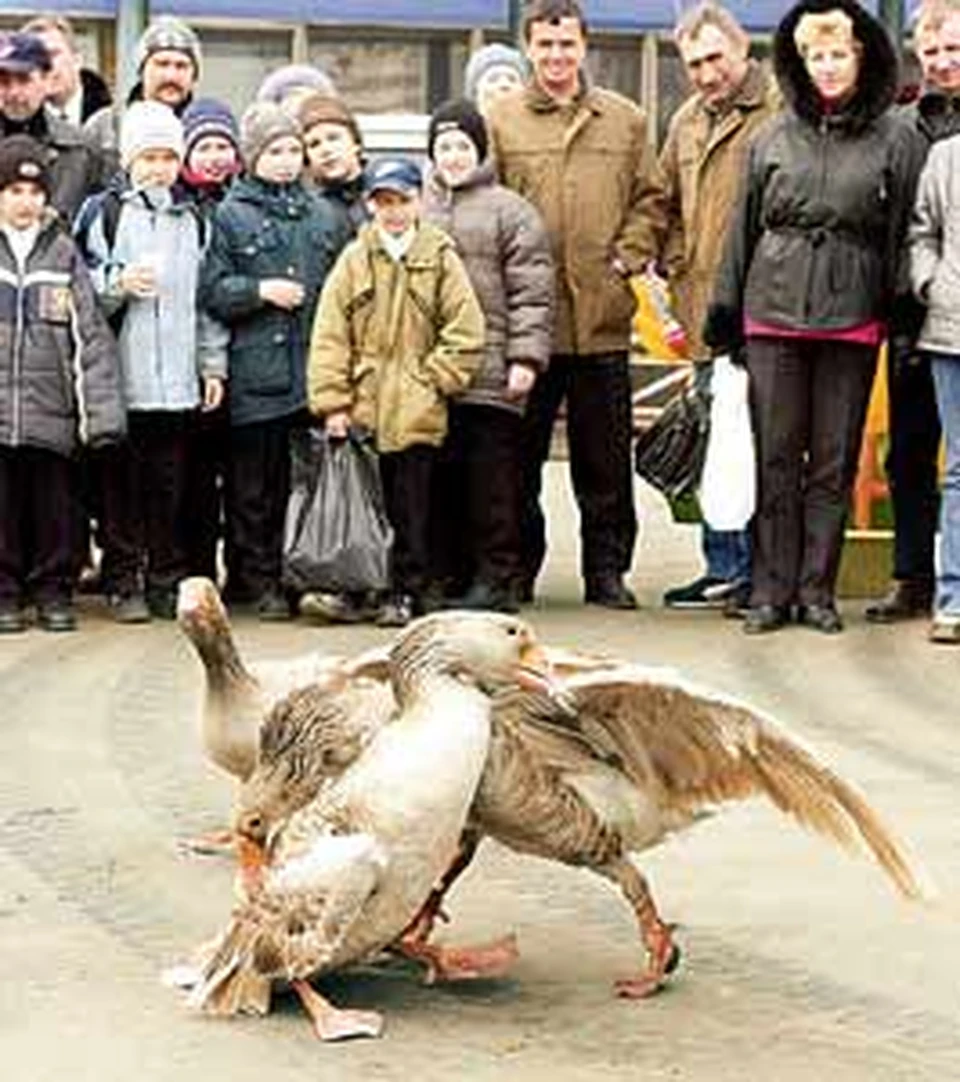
column 728, row 487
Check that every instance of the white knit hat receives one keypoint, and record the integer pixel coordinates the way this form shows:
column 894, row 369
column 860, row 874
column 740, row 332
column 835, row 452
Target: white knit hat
column 149, row 125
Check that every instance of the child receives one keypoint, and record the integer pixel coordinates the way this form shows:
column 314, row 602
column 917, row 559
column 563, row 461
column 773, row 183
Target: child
column 211, row 159
column 397, row 332
column 146, row 253
column 60, row 383
column 506, row 251
column 273, row 243
column 334, row 149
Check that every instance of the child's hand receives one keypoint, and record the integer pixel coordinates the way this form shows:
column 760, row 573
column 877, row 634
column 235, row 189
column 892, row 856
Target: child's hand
column 139, row 279
column 337, row 425
column 212, row 393
column 520, row 380
column 283, row 292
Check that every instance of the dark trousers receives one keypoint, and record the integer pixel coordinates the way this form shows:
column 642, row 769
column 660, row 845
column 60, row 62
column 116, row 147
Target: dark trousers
column 912, row 464
column 36, row 526
column 408, row 478
column 476, row 502
column 597, row 391
column 257, row 492
column 808, row 404
column 206, row 488
column 144, row 487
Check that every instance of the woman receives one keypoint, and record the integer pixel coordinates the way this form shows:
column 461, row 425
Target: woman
column 813, row 267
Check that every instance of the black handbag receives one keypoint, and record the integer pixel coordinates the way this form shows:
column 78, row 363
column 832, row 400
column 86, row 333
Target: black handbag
column 669, row 454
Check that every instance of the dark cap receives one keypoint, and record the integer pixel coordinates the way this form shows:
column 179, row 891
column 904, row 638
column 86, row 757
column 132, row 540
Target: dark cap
column 23, row 53
column 23, row 159
column 393, row 175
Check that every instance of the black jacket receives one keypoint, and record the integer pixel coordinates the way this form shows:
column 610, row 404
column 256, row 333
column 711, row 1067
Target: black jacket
column 817, row 239
column 96, row 95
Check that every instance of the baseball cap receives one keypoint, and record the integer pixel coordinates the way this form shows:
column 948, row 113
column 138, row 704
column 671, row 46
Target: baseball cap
column 22, row 53
column 394, row 175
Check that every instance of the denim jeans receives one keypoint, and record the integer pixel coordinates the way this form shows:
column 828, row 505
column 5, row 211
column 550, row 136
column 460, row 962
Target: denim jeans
column 727, row 554
column 946, row 378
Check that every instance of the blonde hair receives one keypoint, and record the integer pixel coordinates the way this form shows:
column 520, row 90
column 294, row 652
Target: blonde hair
column 826, row 28
column 932, row 14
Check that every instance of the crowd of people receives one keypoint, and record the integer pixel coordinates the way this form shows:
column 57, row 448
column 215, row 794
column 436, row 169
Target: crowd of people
column 183, row 290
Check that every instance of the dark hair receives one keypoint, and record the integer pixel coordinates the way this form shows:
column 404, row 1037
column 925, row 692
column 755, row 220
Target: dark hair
column 552, row 11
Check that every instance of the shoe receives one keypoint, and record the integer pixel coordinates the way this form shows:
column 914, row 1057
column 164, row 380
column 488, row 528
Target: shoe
column 907, row 599
column 610, row 592
column 333, row 608
column 523, row 591
column 396, row 612
column 823, row 618
column 705, row 592
column 129, row 608
column 737, row 605
column 273, row 607
column 12, row 620
column 162, row 604
column 57, row 616
column 945, row 628
column 485, row 597
column 763, row 618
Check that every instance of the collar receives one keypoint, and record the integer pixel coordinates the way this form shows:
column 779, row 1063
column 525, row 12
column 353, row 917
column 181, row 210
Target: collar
column 38, row 125
column 542, row 102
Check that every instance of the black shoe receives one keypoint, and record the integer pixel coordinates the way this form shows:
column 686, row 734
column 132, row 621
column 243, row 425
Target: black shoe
column 162, row 604
column 737, row 605
column 706, row 592
column 485, row 597
column 763, row 618
column 610, row 592
column 12, row 620
column 57, row 616
column 273, row 607
column 397, row 611
column 823, row 618
column 523, row 591
column 908, row 599
column 129, row 608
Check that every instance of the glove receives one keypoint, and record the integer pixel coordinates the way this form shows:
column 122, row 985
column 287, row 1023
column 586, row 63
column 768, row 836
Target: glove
column 723, row 329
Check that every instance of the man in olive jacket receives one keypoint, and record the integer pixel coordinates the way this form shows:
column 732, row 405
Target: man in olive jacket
column 580, row 155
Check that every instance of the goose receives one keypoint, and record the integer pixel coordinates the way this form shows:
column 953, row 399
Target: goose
column 348, row 872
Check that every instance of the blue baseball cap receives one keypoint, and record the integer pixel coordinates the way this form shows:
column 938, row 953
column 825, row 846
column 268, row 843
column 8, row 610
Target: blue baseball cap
column 22, row 53
column 393, row 175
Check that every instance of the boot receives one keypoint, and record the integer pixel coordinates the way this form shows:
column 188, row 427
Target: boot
column 907, row 599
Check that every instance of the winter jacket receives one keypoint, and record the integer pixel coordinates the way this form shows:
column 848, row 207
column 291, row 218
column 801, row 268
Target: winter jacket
column 76, row 168
column 166, row 344
column 702, row 164
column 96, row 94
column 817, row 239
column 588, row 170
column 59, row 374
column 262, row 231
column 392, row 341
column 503, row 245
column 346, row 198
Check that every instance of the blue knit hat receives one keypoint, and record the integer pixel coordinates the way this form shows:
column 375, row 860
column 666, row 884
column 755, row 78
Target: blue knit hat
column 207, row 116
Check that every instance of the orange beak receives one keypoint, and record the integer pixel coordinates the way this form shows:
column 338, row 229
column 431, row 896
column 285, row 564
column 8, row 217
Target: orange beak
column 534, row 673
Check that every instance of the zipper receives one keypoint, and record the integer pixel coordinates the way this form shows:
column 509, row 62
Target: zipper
column 18, row 355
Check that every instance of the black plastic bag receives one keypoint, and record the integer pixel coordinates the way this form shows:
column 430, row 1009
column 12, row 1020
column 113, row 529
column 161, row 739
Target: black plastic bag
column 670, row 454
column 337, row 536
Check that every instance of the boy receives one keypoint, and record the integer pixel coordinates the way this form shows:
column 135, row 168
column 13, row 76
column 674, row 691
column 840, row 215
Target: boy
column 398, row 331
column 273, row 243
column 334, row 147
column 59, row 384
column 146, row 250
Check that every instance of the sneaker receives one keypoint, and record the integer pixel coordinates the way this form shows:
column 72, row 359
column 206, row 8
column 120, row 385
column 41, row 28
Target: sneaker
column 945, row 628
column 56, row 616
column 396, row 612
column 273, row 607
column 12, row 620
column 610, row 592
column 129, row 608
column 705, row 592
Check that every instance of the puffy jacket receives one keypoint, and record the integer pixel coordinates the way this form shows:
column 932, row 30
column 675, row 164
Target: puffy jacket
column 59, row 374
column 818, row 237
column 262, row 231
column 393, row 340
column 502, row 242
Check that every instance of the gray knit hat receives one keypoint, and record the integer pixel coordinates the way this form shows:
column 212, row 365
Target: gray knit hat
column 149, row 125
column 166, row 32
column 487, row 58
column 263, row 122
column 278, row 84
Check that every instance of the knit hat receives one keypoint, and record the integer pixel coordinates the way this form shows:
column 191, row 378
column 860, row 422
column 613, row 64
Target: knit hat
column 278, row 84
column 327, row 109
column 149, row 125
column 207, row 116
column 487, row 58
column 166, row 32
column 458, row 116
column 23, row 158
column 263, row 122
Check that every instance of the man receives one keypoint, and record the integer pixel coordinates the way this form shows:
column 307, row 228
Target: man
column 580, row 155
column 914, row 421
column 76, row 169
column 169, row 58
column 74, row 92
column 701, row 163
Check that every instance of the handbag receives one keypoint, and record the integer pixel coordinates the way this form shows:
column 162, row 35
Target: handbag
column 669, row 454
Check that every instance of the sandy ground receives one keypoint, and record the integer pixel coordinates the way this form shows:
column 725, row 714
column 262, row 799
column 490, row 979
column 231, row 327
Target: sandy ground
column 798, row 961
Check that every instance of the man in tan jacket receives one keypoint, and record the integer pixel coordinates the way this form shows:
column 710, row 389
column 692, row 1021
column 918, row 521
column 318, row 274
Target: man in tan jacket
column 701, row 161
column 580, row 155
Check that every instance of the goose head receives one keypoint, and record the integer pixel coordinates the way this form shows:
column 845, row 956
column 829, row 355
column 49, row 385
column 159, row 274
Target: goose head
column 488, row 650
column 203, row 619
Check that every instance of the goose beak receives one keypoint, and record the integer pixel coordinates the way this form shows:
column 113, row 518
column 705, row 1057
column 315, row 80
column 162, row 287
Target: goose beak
column 534, row 672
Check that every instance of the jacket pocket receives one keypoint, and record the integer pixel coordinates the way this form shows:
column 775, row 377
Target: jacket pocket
column 261, row 367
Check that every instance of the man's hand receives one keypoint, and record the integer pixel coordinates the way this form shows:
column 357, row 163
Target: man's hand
column 520, row 380
column 337, row 425
column 282, row 292
column 212, row 393
column 139, row 280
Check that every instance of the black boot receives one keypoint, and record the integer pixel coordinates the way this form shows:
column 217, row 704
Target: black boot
column 609, row 591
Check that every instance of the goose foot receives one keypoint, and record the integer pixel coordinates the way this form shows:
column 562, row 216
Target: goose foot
column 214, row 843
column 663, row 957
column 330, row 1023
column 485, row 961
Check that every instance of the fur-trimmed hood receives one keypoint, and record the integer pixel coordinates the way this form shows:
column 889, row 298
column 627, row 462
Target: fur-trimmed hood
column 877, row 84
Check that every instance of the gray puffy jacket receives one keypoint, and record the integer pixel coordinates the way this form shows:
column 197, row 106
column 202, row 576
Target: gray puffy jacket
column 935, row 247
